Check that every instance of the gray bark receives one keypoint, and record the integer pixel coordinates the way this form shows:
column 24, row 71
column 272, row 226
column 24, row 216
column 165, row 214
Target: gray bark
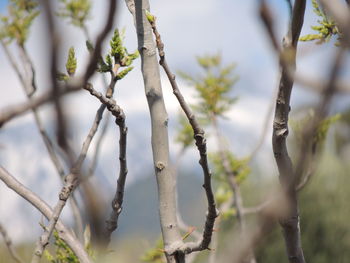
column 160, row 146
column 290, row 222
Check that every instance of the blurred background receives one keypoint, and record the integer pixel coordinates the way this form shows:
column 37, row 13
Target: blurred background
column 189, row 29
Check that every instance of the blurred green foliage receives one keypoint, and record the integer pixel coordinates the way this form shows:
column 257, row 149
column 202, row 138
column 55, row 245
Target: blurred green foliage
column 156, row 254
column 325, row 227
column 239, row 167
column 326, row 28
column 213, row 87
column 63, row 254
column 320, row 134
column 15, row 26
column 76, row 11
column 184, row 132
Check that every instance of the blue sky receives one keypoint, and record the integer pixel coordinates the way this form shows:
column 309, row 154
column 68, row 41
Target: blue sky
column 189, row 29
column 3, row 4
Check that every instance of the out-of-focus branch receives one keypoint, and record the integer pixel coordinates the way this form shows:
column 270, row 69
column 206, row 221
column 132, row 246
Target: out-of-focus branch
column 75, row 83
column 290, row 222
column 93, row 163
column 266, row 221
column 13, row 62
column 61, row 123
column 265, row 128
column 90, row 69
column 200, row 143
column 215, row 240
column 309, row 145
column 45, row 209
column 317, row 85
column 9, row 245
column 30, row 81
column 70, row 183
column 34, row 102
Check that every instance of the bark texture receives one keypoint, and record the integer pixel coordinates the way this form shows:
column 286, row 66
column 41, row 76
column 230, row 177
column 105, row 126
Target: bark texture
column 159, row 121
column 290, row 222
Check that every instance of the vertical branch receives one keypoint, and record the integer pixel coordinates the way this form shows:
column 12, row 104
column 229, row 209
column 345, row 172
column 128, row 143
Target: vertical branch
column 8, row 243
column 159, row 120
column 117, row 112
column 199, row 139
column 289, row 222
column 54, row 44
column 231, row 179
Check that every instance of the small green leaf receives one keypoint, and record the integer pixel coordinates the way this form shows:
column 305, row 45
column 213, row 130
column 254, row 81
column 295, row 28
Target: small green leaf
column 124, row 72
column 71, row 64
column 89, row 46
column 151, row 18
column 62, row 76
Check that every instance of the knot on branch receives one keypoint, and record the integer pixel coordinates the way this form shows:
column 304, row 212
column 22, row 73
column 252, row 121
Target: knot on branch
column 282, row 132
column 290, row 222
column 64, row 194
column 160, row 166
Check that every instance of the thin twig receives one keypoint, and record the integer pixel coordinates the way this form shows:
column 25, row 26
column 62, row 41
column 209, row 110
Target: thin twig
column 45, row 209
column 202, row 149
column 117, row 112
column 30, row 80
column 12, row 62
column 93, row 162
column 9, row 245
column 70, row 183
column 29, row 86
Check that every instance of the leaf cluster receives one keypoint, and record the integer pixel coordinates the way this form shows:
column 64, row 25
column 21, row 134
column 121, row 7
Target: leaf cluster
column 156, row 254
column 239, row 167
column 15, row 26
column 117, row 57
column 213, row 87
column 63, row 253
column 185, row 132
column 321, row 130
column 76, row 11
column 326, row 28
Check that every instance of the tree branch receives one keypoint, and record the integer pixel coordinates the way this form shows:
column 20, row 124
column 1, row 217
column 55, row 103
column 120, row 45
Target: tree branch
column 35, row 102
column 290, row 222
column 117, row 112
column 200, row 143
column 160, row 144
column 70, row 183
column 45, row 209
